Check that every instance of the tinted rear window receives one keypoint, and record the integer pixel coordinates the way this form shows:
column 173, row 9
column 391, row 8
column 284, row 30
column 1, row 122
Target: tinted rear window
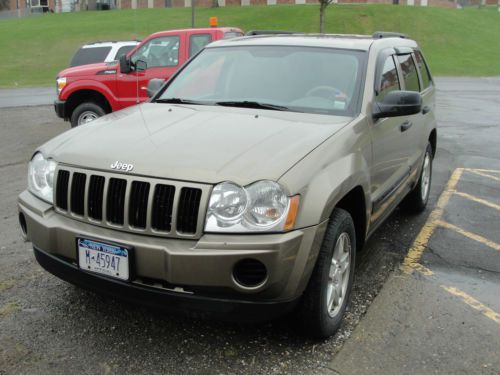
column 89, row 56
column 123, row 51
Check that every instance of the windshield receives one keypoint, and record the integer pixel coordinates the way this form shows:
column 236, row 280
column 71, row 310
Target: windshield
column 303, row 79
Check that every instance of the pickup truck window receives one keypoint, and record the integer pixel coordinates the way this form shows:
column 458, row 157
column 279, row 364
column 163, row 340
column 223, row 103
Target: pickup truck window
column 197, row 42
column 389, row 80
column 159, row 52
column 302, row 79
column 409, row 69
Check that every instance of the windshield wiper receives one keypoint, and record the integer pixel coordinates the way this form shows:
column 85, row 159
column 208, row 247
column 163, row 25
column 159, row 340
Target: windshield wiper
column 178, row 101
column 252, row 104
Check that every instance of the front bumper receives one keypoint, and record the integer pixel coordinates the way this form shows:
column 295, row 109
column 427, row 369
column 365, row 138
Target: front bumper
column 178, row 274
column 60, row 108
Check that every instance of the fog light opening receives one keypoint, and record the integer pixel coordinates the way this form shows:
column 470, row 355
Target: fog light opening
column 24, row 227
column 250, row 273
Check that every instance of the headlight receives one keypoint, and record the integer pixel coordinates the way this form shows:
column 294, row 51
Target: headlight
column 260, row 207
column 41, row 177
column 61, row 82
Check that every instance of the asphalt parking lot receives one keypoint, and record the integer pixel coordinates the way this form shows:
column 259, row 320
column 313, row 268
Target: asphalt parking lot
column 425, row 299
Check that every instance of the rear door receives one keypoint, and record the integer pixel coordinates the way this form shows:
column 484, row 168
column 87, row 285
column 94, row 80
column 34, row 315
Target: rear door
column 389, row 168
column 428, row 92
column 414, row 134
column 163, row 55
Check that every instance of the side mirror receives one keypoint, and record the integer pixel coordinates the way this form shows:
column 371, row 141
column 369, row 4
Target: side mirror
column 140, row 66
column 398, row 103
column 153, row 86
column 124, row 64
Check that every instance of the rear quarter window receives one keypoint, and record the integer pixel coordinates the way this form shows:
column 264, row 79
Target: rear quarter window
column 89, row 56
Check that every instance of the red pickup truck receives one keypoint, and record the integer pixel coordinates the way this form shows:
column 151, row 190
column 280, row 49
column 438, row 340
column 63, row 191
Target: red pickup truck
column 90, row 91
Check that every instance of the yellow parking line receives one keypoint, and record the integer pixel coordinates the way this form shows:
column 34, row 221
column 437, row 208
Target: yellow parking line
column 483, row 170
column 478, row 200
column 484, row 174
column 411, row 262
column 470, row 235
column 474, row 303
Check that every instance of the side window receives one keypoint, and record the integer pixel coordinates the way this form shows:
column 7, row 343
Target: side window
column 424, row 71
column 389, row 80
column 409, row 70
column 159, row 52
column 197, row 42
column 123, row 51
column 89, row 55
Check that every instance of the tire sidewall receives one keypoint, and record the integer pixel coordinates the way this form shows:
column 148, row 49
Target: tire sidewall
column 331, row 324
column 86, row 107
column 428, row 151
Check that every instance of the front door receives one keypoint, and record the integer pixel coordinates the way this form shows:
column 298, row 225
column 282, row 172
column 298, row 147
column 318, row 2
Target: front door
column 162, row 56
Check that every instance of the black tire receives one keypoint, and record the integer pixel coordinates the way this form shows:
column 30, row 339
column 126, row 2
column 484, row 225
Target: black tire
column 313, row 311
column 90, row 108
column 416, row 200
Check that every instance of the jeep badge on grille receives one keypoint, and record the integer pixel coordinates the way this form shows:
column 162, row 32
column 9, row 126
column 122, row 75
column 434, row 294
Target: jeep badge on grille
column 122, row 166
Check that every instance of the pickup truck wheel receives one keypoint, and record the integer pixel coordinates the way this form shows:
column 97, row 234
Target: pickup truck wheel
column 326, row 297
column 417, row 199
column 86, row 112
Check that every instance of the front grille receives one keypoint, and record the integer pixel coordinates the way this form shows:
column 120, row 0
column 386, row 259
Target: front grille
column 115, row 208
column 96, row 196
column 62, row 190
column 136, row 204
column 78, row 193
column 189, row 204
column 138, row 207
column 163, row 203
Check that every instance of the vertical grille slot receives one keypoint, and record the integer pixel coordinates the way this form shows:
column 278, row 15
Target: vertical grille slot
column 163, row 203
column 116, row 200
column 138, row 204
column 78, row 193
column 187, row 211
column 95, row 197
column 62, row 189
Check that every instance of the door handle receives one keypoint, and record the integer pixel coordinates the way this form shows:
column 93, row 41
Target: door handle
column 426, row 109
column 405, row 126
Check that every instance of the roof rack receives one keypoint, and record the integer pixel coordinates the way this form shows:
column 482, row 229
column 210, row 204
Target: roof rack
column 268, row 32
column 388, row 34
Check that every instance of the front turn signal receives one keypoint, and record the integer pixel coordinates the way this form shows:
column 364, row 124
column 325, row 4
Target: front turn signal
column 292, row 213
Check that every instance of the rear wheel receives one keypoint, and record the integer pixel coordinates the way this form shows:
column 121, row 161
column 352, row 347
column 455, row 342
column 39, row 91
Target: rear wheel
column 86, row 112
column 417, row 199
column 326, row 297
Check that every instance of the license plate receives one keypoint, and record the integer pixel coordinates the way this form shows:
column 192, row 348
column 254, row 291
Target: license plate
column 102, row 258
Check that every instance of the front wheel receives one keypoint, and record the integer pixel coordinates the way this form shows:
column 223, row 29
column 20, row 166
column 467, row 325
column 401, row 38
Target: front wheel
column 417, row 199
column 326, row 297
column 85, row 113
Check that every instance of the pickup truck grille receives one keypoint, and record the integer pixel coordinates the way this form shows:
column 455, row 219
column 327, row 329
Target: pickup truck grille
column 131, row 203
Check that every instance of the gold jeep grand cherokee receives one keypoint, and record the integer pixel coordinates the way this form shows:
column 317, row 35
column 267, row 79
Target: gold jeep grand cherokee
column 247, row 185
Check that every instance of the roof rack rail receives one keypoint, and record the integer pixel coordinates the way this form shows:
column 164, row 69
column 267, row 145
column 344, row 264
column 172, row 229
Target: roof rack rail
column 268, row 32
column 388, row 34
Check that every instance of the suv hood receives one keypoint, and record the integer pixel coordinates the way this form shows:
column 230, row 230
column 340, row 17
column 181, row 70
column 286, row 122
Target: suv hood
column 195, row 143
column 88, row 69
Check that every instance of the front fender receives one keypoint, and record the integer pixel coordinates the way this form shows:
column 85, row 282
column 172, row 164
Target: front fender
column 331, row 171
column 91, row 85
